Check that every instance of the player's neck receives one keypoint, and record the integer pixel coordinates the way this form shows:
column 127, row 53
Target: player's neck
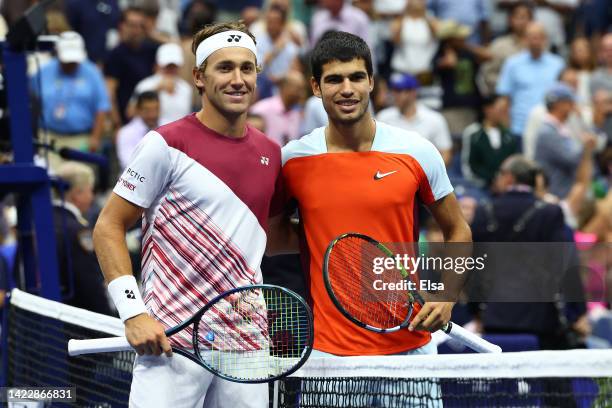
column 228, row 126
column 354, row 137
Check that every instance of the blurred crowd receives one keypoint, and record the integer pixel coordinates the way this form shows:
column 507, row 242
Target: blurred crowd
column 483, row 80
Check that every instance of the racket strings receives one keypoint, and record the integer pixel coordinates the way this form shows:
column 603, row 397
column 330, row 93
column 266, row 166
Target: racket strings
column 255, row 334
column 352, row 278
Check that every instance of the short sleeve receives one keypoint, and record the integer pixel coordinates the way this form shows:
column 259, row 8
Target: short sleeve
column 148, row 172
column 436, row 185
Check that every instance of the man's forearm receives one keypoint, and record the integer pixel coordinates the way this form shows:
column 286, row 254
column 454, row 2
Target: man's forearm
column 111, row 250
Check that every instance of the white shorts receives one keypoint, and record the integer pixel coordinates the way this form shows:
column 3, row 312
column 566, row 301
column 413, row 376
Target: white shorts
column 178, row 382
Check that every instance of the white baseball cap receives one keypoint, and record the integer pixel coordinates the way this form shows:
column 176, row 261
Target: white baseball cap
column 169, row 53
column 70, row 47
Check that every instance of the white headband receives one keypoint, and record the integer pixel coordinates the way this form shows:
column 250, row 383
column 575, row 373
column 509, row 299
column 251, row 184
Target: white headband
column 223, row 40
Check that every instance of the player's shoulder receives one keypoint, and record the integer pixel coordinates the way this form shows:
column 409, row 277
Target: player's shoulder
column 178, row 133
column 392, row 139
column 308, row 145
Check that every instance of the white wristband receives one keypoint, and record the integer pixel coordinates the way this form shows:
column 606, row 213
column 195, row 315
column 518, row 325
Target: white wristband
column 126, row 297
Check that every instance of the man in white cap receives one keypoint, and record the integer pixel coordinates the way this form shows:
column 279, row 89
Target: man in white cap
column 205, row 186
column 73, row 97
column 174, row 92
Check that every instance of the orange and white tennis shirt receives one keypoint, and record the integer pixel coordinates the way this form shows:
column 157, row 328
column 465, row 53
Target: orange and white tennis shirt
column 374, row 193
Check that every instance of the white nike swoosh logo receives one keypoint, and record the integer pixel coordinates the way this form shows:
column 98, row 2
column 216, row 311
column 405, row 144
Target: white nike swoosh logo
column 380, row 175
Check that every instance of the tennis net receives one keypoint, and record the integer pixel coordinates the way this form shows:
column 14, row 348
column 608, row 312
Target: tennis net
column 39, row 329
column 38, row 334
column 571, row 378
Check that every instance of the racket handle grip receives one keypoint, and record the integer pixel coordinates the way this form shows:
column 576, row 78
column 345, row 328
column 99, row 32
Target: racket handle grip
column 470, row 339
column 104, row 345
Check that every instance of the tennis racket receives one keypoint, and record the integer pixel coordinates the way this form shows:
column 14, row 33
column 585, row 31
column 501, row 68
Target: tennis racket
column 350, row 282
column 251, row 334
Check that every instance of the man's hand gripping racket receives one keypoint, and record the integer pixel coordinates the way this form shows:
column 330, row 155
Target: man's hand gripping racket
column 350, row 282
column 251, row 334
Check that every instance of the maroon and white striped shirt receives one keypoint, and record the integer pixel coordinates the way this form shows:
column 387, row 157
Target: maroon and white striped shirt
column 207, row 199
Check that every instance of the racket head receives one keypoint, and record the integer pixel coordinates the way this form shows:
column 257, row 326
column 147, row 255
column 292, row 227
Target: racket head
column 253, row 334
column 349, row 279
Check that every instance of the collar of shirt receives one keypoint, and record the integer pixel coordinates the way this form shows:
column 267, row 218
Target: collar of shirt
column 71, row 208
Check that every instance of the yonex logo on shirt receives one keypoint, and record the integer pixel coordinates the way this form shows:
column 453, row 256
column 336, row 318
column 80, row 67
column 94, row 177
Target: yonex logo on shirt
column 265, row 160
column 130, row 294
column 234, row 38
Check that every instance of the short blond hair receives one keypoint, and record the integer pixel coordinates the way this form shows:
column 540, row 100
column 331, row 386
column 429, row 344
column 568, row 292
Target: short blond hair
column 76, row 174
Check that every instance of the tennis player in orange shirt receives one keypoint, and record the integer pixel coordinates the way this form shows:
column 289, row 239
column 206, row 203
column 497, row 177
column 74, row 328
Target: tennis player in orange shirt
column 359, row 175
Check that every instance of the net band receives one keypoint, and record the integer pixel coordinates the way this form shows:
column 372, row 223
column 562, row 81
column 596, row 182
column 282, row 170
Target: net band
column 526, row 364
column 66, row 313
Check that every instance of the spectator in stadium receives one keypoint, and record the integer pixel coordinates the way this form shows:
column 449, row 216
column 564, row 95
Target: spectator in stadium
column 198, row 14
column 578, row 201
column 519, row 16
column 129, row 62
column 381, row 97
column 525, row 77
column 314, row 115
column 556, row 150
column 488, row 143
column 298, row 33
column 184, row 179
column 582, row 60
column 602, row 115
column 283, row 112
column 174, row 92
column 593, row 19
column 338, row 15
column 73, row 97
column 341, row 157
column 256, row 121
column 409, row 114
column 517, row 215
column 146, row 119
column 161, row 23
column 81, row 277
column 414, row 37
column 456, row 64
column 576, row 122
column 93, row 20
column 275, row 51
column 602, row 77
column 472, row 13
column 552, row 14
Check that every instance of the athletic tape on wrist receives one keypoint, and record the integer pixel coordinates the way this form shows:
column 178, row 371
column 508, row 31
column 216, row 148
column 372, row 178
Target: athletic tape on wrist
column 126, row 297
column 224, row 39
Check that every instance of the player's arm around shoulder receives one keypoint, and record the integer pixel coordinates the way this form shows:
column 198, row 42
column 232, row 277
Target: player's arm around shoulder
column 143, row 332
